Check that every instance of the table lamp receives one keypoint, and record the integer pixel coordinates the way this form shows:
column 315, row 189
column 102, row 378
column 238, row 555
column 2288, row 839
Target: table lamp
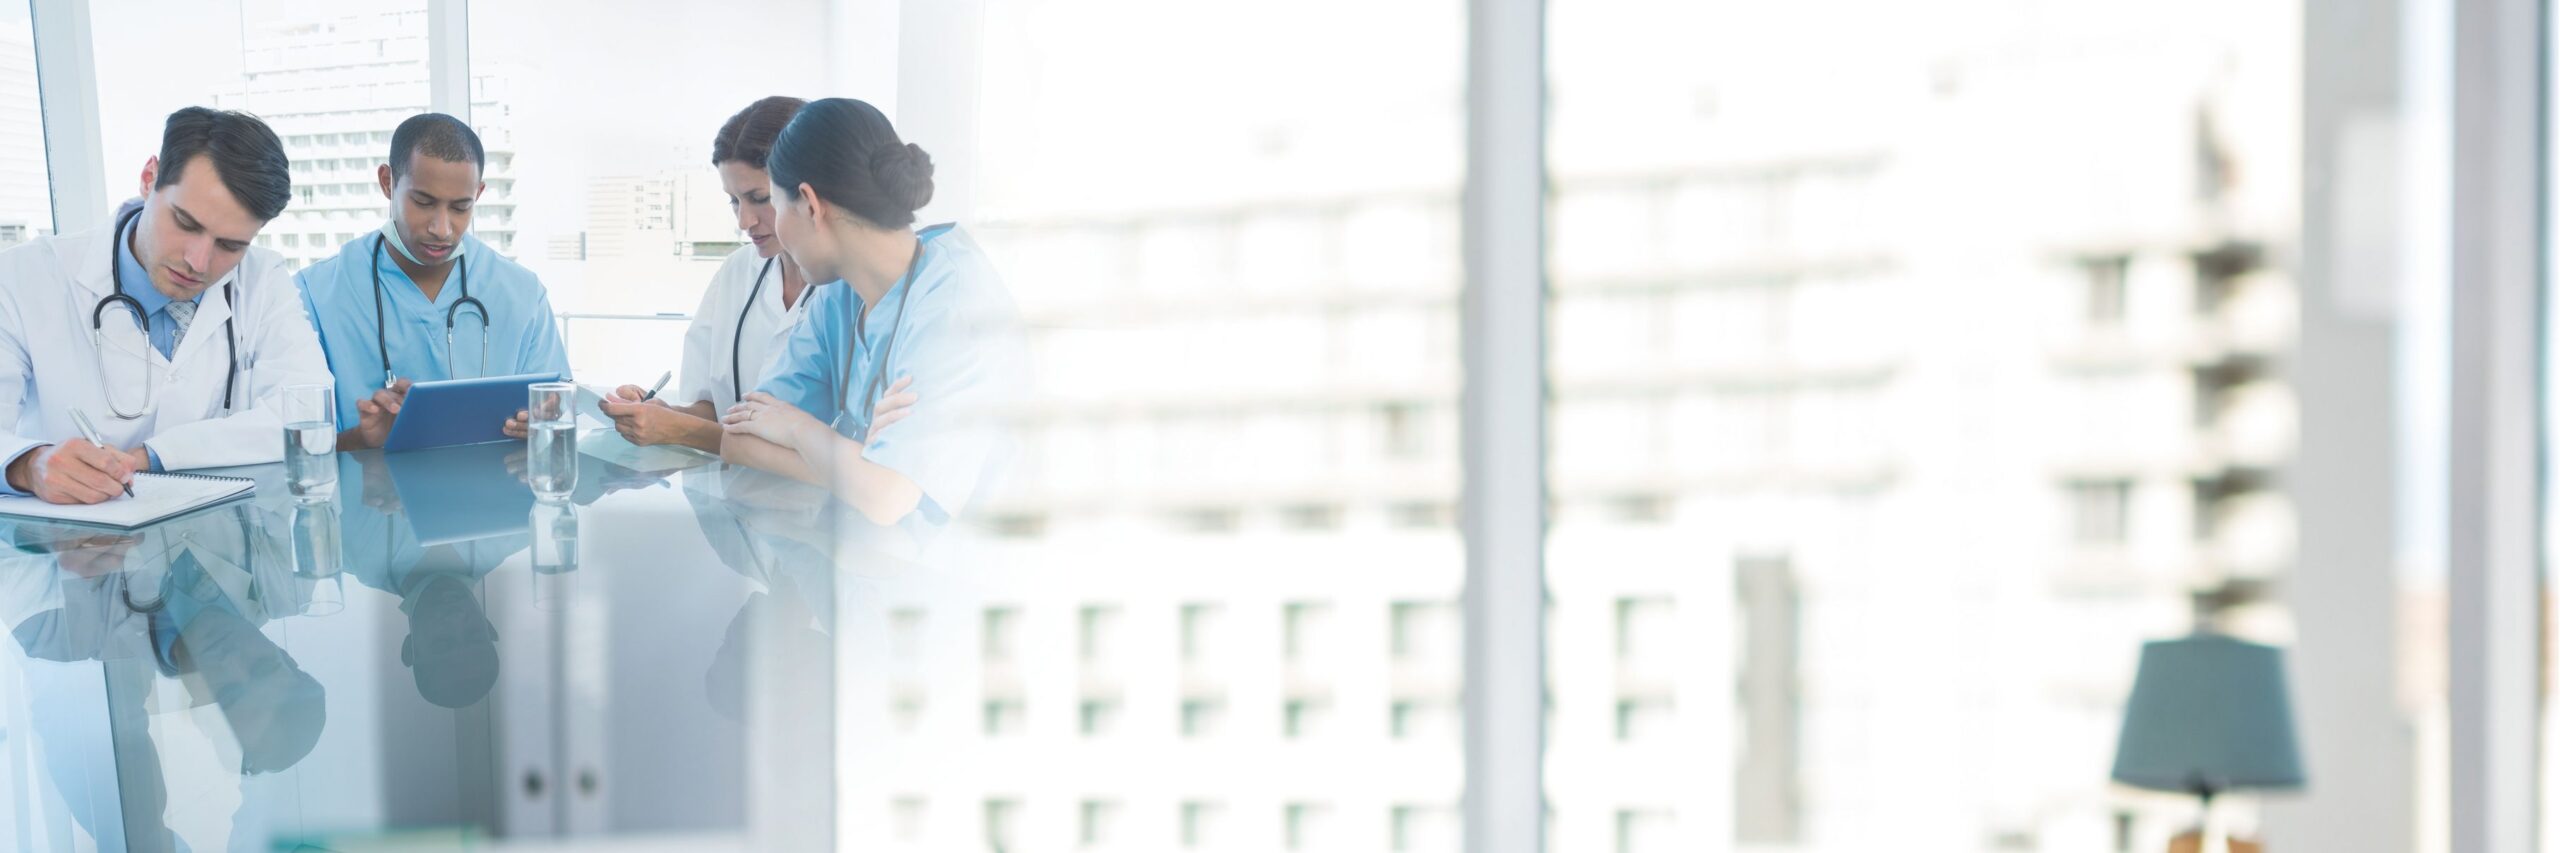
column 2208, row 715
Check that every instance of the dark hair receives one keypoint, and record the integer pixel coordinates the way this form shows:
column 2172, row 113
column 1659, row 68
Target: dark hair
column 248, row 156
column 846, row 151
column 437, row 135
column 748, row 136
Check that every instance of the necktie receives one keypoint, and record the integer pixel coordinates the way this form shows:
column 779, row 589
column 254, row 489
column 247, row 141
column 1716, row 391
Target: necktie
column 182, row 313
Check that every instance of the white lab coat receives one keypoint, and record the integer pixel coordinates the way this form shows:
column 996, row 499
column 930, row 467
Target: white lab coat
column 717, row 327
column 48, row 364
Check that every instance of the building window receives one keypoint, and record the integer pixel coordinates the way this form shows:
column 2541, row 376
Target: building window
column 1199, row 632
column 1419, row 514
column 1312, row 516
column 1203, row 717
column 1402, row 425
column 1303, row 718
column 906, row 635
column 997, row 633
column 1769, row 713
column 1098, row 717
column 906, row 714
column 1423, row 720
column 1644, row 629
column 1001, row 817
column 2106, row 293
column 1096, row 628
column 906, row 819
column 1200, row 824
column 1644, row 830
column 1302, row 626
column 1303, row 826
column 1098, row 823
column 1001, row 717
column 2099, row 510
column 1641, row 720
column 1421, row 828
column 1423, row 631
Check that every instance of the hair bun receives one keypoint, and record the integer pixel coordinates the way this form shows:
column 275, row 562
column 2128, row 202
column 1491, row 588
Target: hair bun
column 905, row 174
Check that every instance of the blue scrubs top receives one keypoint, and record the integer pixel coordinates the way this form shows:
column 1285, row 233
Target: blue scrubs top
column 522, row 336
column 960, row 340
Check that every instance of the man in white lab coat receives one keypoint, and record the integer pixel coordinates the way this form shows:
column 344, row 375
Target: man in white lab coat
column 164, row 328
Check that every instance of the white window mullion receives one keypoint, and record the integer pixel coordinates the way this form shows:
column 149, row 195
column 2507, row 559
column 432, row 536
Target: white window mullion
column 67, row 84
column 1503, row 424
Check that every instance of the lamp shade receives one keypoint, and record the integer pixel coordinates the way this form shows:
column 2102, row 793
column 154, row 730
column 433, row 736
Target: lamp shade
column 2208, row 715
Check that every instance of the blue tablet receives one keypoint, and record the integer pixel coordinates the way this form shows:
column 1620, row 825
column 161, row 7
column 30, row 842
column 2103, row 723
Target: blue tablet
column 460, row 411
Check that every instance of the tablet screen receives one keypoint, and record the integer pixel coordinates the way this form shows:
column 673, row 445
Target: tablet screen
column 461, row 411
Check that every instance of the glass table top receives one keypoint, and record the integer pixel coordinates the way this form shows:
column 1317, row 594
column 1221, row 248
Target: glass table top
column 431, row 657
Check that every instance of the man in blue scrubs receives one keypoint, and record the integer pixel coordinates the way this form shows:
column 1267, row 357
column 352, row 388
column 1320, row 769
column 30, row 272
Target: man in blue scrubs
column 388, row 302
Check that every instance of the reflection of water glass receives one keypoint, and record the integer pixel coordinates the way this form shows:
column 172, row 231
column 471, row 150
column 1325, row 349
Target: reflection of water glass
column 328, row 595
column 311, row 440
column 555, row 552
column 318, row 557
column 552, row 439
column 316, row 553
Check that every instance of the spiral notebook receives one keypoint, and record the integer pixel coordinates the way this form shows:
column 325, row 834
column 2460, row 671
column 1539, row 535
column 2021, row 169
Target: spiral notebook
column 155, row 497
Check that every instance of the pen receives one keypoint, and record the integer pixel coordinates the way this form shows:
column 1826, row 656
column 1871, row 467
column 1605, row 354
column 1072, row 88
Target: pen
column 662, row 383
column 81, row 419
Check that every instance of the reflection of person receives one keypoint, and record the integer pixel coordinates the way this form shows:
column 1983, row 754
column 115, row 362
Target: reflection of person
column 452, row 649
column 194, row 627
column 770, row 531
column 275, row 710
column 422, row 299
column 451, row 645
column 922, row 311
column 166, row 328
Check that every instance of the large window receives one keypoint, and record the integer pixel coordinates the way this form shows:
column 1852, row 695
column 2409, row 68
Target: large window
column 332, row 79
column 1911, row 365
column 26, row 201
column 1231, row 571
column 600, row 152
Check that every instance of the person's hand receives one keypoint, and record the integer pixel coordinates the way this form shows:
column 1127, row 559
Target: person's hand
column 91, row 556
column 374, row 415
column 892, row 408
column 646, row 423
column 379, row 492
column 635, row 394
column 764, row 416
column 73, row 472
column 515, row 426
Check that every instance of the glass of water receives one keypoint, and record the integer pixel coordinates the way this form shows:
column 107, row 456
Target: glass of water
column 311, row 441
column 552, row 438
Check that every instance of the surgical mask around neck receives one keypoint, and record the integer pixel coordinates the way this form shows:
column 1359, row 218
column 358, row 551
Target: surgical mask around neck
column 391, row 235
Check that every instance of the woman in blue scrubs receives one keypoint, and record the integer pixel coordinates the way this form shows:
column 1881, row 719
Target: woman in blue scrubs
column 918, row 310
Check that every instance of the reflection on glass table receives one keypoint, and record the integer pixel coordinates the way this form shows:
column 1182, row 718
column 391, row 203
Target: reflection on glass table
column 429, row 657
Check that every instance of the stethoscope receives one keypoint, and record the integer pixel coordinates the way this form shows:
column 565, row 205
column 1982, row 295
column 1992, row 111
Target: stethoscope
column 880, row 363
column 737, row 373
column 382, row 334
column 98, row 335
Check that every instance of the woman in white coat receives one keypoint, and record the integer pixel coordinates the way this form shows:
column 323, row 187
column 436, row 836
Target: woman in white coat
column 166, row 329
